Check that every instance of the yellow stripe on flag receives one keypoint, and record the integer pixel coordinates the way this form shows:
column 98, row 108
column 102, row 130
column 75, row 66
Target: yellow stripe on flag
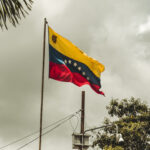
column 68, row 49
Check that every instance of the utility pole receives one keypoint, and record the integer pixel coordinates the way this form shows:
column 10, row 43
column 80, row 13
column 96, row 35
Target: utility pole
column 80, row 140
column 82, row 118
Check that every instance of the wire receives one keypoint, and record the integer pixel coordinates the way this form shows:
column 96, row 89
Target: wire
column 45, row 132
column 74, row 128
column 32, row 133
column 16, row 141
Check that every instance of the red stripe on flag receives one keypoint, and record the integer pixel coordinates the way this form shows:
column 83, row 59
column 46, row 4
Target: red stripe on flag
column 61, row 72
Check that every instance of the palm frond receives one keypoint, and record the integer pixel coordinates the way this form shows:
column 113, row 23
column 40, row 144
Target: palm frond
column 12, row 10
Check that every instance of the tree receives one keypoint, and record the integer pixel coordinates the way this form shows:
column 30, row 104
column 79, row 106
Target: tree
column 13, row 10
column 133, row 123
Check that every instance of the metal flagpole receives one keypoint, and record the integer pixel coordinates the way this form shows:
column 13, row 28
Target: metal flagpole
column 42, row 86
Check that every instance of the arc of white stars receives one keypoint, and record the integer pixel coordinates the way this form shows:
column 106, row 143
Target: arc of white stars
column 75, row 65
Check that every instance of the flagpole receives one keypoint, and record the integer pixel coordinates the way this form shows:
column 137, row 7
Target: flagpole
column 42, row 86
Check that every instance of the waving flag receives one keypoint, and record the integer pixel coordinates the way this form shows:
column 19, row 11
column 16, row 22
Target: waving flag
column 69, row 64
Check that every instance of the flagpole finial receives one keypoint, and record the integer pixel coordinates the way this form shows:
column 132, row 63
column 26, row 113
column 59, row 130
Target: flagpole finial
column 45, row 20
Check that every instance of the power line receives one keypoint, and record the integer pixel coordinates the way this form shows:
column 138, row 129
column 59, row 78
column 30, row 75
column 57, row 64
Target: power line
column 45, row 132
column 32, row 134
column 16, row 141
column 74, row 128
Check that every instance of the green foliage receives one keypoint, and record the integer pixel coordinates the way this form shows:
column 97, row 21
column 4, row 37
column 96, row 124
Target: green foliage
column 111, row 148
column 131, row 107
column 13, row 10
column 133, row 124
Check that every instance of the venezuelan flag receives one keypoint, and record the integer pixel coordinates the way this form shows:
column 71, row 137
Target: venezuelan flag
column 69, row 64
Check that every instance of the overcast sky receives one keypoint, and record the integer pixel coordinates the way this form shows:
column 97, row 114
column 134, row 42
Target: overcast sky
column 116, row 33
